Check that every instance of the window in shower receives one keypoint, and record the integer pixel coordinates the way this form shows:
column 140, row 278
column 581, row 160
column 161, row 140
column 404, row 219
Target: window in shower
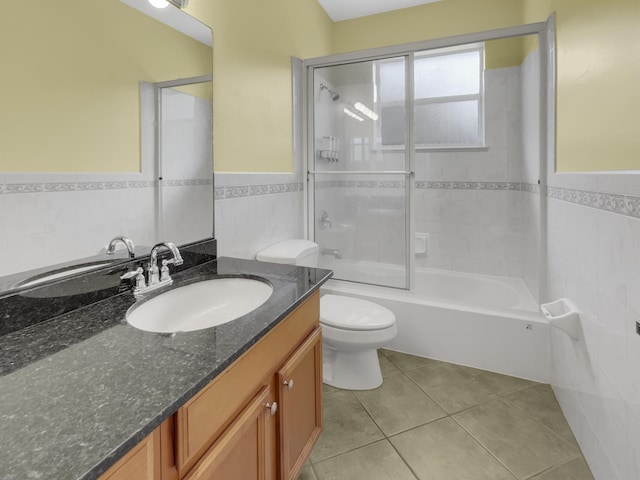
column 448, row 99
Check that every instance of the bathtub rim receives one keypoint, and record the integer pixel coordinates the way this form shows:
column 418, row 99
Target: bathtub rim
column 397, row 294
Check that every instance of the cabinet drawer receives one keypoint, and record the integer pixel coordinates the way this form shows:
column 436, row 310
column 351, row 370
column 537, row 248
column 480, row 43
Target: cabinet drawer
column 203, row 418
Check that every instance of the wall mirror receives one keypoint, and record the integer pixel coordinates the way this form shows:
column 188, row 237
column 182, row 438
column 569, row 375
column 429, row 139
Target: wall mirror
column 106, row 130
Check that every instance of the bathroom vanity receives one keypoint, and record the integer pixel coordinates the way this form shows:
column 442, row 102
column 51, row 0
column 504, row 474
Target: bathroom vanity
column 240, row 400
column 258, row 419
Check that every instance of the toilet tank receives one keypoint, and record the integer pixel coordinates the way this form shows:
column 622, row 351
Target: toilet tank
column 293, row 252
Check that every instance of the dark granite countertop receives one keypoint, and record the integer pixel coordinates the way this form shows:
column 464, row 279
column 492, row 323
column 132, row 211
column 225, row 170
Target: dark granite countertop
column 80, row 390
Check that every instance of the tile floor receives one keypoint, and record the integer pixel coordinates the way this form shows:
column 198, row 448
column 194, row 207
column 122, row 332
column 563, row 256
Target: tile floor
column 433, row 420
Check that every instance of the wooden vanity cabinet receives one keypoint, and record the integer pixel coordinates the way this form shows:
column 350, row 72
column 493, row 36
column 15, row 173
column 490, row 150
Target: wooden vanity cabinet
column 245, row 449
column 257, row 420
column 300, row 399
column 141, row 463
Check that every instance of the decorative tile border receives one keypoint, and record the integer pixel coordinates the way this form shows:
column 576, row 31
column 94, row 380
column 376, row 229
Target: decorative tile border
column 627, row 205
column 53, row 187
column 469, row 185
column 189, row 182
column 23, row 188
column 530, row 188
column 223, row 193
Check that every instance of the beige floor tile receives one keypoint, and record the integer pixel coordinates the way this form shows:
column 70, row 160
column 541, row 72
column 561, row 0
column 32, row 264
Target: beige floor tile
column 442, row 450
column 406, row 362
column 399, row 405
column 520, row 443
column 329, row 389
column 540, row 403
column 503, row 384
column 378, row 461
column 307, row 473
column 452, row 387
column 471, row 370
column 346, row 426
column 576, row 469
column 387, row 367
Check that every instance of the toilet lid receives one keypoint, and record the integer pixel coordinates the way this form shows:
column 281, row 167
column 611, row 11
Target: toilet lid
column 354, row 314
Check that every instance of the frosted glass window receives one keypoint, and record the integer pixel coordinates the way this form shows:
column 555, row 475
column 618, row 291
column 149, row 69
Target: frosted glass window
column 453, row 123
column 393, row 130
column 448, row 103
column 392, row 81
column 447, row 75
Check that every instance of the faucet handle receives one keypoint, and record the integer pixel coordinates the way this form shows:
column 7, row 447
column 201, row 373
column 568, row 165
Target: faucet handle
column 138, row 274
column 132, row 273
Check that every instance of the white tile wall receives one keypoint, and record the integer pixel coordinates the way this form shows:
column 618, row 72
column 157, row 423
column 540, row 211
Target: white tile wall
column 247, row 224
column 593, row 259
column 45, row 228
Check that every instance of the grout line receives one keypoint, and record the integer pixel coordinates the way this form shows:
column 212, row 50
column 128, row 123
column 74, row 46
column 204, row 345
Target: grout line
column 553, row 467
column 485, row 448
column 413, row 472
column 535, row 420
column 348, row 451
column 457, row 411
column 498, row 397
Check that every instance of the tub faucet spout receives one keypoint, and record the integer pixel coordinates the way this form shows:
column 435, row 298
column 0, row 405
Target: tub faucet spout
column 331, row 251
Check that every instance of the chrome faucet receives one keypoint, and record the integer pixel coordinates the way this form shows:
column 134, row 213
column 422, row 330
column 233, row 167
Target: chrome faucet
column 161, row 276
column 111, row 249
column 156, row 277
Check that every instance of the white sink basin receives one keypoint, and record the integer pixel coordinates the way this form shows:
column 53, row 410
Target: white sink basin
column 199, row 305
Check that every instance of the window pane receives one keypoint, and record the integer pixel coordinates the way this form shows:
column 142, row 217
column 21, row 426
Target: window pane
column 454, row 123
column 393, row 130
column 392, row 81
column 446, row 75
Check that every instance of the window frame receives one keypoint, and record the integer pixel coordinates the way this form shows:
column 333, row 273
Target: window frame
column 479, row 97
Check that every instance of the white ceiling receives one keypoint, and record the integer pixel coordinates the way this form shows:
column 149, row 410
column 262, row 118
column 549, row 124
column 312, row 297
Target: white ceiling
column 345, row 9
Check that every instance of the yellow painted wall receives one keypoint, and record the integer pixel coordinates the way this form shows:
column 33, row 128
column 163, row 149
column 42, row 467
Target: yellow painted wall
column 598, row 94
column 505, row 52
column 69, row 91
column 253, row 44
column 598, row 100
column 434, row 20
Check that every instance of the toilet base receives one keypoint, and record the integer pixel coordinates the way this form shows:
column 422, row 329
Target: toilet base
column 359, row 370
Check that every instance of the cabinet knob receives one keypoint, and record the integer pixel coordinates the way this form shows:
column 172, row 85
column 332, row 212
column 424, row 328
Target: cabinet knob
column 272, row 407
column 289, row 384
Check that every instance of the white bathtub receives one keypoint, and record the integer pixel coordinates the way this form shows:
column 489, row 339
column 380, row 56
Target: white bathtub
column 480, row 321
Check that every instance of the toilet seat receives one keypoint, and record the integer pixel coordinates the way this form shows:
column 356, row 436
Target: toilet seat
column 348, row 313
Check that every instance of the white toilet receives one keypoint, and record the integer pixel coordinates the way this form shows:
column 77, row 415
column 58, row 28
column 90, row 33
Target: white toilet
column 352, row 329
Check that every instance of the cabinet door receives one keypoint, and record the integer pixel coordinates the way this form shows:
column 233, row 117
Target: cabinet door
column 300, row 397
column 142, row 462
column 243, row 451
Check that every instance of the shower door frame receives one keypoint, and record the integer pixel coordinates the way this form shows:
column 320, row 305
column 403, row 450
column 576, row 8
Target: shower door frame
column 408, row 173
column 158, row 157
column 546, row 46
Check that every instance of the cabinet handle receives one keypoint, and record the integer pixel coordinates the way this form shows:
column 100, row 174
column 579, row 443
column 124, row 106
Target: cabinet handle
column 273, row 407
column 289, row 384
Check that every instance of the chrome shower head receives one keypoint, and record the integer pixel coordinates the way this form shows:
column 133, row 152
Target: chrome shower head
column 334, row 95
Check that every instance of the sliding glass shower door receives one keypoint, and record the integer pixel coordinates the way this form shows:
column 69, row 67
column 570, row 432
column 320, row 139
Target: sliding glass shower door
column 360, row 175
